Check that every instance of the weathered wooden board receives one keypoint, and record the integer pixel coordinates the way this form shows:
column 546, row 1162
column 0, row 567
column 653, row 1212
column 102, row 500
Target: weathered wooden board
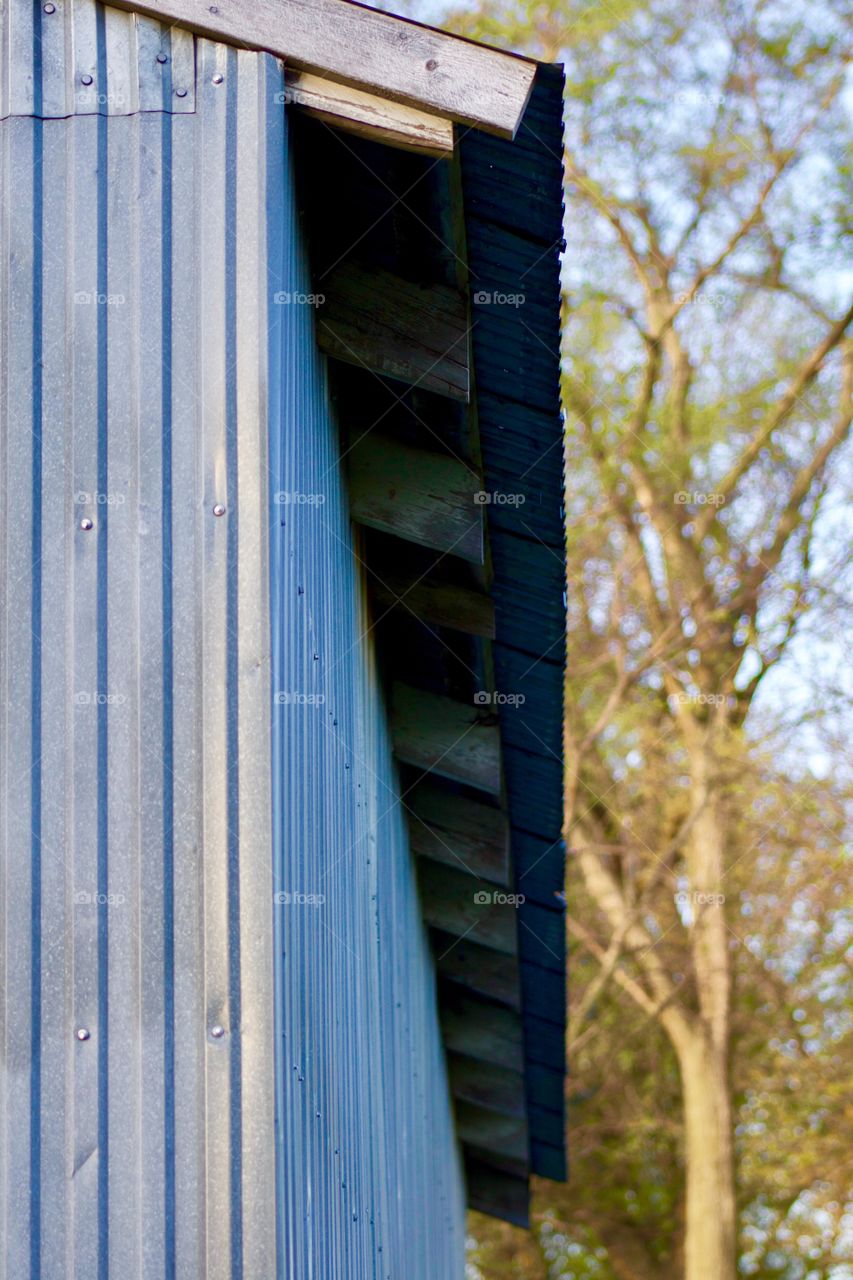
column 482, row 970
column 500, row 1194
column 366, row 114
column 375, row 51
column 441, row 603
column 453, row 829
column 481, row 1030
column 487, row 1085
column 416, row 333
column 492, row 1131
column 422, row 497
column 461, row 904
column 446, row 737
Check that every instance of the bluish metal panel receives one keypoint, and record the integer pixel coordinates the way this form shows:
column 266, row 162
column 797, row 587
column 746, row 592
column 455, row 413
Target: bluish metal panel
column 134, row 669
column 369, row 1178
column 153, row 1119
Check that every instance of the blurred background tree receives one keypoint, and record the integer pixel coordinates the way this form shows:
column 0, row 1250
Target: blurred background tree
column 708, row 374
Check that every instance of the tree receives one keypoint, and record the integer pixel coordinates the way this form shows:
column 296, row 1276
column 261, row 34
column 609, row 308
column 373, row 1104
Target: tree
column 708, row 385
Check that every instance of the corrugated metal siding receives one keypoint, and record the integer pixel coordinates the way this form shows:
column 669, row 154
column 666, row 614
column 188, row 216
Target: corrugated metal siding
column 77, row 58
column 141, row 258
column 369, row 1175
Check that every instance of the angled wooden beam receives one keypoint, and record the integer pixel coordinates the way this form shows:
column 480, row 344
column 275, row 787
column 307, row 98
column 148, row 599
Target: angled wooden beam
column 496, row 1192
column 460, row 904
column 481, row 1030
column 427, row 498
column 487, row 1085
column 492, row 1131
column 374, row 51
column 368, row 116
column 481, row 970
column 416, row 333
column 446, row 737
column 441, row 603
column 453, row 829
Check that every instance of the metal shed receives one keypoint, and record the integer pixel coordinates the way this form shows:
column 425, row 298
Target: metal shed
column 281, row 640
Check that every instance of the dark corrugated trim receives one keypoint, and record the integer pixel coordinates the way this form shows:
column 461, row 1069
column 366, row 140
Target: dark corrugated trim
column 513, row 198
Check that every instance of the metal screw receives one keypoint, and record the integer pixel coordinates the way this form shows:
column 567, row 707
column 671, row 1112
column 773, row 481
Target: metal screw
column 161, row 58
column 213, row 9
column 217, row 1032
column 431, row 65
column 50, row 8
column 180, row 93
column 83, row 1033
column 87, row 524
column 217, row 79
column 87, row 79
column 219, row 510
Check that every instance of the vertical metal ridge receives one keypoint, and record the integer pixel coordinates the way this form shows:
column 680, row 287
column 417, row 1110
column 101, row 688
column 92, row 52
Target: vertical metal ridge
column 35, row 709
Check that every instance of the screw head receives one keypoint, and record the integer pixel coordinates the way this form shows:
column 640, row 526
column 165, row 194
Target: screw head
column 50, row 8
column 219, row 509
column 83, row 1033
column 87, row 523
column 180, row 93
column 217, row 1032
column 217, row 79
column 87, row 79
column 431, row 64
column 161, row 58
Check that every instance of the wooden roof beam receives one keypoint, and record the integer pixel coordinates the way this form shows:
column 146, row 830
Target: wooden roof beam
column 464, row 834
column 370, row 50
column 460, row 904
column 446, row 737
column 369, row 116
column 416, row 333
column 422, row 497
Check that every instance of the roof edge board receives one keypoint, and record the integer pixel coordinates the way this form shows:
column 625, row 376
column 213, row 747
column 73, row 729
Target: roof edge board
column 380, row 53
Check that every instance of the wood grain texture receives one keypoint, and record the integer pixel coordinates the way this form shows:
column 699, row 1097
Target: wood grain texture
column 368, row 116
column 460, row 832
column 492, row 1131
column 480, row 1030
column 416, row 333
column 374, row 51
column 426, row 498
column 460, row 904
column 441, row 603
column 447, row 737
column 482, row 970
column 487, row 1085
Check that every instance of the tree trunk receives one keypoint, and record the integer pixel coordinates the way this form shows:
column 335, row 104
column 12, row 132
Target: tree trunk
column 709, row 1237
